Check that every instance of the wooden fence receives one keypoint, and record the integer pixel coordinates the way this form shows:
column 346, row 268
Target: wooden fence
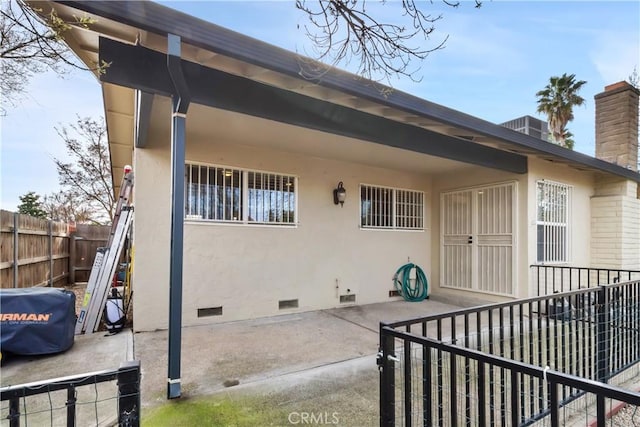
column 84, row 242
column 38, row 252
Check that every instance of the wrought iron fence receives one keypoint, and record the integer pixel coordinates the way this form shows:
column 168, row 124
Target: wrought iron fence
column 46, row 403
column 587, row 335
column 549, row 279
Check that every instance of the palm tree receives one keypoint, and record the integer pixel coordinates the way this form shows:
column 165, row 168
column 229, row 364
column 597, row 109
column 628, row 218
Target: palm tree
column 557, row 100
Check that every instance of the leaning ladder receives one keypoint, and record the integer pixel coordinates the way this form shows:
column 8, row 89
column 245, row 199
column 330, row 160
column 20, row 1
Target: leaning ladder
column 123, row 200
column 104, row 267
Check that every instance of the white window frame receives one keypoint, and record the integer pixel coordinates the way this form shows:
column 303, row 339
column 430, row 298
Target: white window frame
column 244, row 200
column 555, row 219
column 399, row 199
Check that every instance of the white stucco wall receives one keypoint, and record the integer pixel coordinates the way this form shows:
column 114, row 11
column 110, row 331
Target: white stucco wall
column 248, row 269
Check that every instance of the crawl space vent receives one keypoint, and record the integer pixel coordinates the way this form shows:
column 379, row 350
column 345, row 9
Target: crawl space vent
column 347, row 298
column 394, row 293
column 210, row 311
column 287, row 303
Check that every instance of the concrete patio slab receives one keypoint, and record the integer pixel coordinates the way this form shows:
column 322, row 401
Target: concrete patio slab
column 320, row 362
column 315, row 362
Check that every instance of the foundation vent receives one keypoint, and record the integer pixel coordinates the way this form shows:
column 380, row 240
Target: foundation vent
column 394, row 293
column 344, row 299
column 287, row 303
column 210, row 311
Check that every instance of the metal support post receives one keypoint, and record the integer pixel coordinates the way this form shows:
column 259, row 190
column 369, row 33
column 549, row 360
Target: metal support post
column 180, row 104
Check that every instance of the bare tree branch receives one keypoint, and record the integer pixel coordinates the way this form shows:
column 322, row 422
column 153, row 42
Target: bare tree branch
column 342, row 31
column 30, row 45
column 87, row 180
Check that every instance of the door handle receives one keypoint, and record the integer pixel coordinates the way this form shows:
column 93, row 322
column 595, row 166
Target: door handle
column 470, row 240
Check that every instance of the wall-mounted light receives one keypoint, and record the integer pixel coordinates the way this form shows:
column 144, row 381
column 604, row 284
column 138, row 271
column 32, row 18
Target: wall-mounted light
column 339, row 194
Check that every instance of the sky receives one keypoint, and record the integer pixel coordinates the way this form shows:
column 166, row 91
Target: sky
column 494, row 61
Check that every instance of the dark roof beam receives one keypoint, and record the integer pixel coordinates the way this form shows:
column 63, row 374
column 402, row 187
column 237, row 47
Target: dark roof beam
column 140, row 68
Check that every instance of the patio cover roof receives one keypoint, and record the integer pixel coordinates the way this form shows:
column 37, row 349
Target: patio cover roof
column 336, row 101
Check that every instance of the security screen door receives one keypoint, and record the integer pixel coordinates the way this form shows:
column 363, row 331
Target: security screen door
column 477, row 239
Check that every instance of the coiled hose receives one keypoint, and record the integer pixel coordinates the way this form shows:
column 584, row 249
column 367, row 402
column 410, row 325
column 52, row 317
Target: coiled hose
column 416, row 291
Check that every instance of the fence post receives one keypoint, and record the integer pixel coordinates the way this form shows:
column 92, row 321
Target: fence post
column 387, row 378
column 16, row 241
column 72, row 258
column 71, row 406
column 602, row 334
column 50, row 231
column 14, row 412
column 129, row 394
column 553, row 402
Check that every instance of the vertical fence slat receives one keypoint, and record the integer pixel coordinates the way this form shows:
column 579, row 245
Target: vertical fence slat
column 50, row 231
column 407, row 383
column 515, row 416
column 482, row 415
column 16, row 242
column 467, row 375
column 72, row 257
column 440, row 379
column 602, row 341
column 426, row 381
column 453, row 392
column 492, row 401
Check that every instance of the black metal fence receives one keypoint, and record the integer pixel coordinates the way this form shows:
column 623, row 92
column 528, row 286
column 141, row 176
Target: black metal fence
column 453, row 366
column 549, row 279
column 43, row 402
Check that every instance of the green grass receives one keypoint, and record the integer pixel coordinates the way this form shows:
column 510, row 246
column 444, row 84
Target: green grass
column 213, row 411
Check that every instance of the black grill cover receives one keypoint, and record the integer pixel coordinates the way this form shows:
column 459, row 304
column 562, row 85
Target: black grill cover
column 36, row 320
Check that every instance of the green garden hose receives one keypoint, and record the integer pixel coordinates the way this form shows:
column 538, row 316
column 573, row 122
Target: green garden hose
column 416, row 291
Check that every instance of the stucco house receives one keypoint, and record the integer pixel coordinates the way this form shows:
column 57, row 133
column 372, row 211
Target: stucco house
column 471, row 202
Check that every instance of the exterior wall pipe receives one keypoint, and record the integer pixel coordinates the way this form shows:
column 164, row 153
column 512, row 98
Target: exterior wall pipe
column 180, row 104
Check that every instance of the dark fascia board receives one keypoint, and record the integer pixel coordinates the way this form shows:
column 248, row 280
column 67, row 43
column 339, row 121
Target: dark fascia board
column 144, row 69
column 161, row 20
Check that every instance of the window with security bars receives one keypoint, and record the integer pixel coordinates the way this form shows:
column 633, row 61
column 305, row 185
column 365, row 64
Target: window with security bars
column 239, row 196
column 553, row 215
column 391, row 208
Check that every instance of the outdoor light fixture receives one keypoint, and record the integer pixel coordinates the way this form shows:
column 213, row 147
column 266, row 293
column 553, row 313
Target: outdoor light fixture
column 339, row 194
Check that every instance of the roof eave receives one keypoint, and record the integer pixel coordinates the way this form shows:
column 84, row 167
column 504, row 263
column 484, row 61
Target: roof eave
column 158, row 19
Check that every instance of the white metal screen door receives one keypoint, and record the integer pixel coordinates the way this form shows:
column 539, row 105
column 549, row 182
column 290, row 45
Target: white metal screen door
column 457, row 229
column 478, row 239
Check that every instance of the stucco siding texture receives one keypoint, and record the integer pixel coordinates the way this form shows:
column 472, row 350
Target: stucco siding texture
column 248, row 269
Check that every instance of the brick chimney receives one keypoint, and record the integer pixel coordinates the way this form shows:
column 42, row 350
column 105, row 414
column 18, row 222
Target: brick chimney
column 617, row 125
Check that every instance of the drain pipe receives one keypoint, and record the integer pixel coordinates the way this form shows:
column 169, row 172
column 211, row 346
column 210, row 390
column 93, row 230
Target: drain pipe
column 179, row 105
